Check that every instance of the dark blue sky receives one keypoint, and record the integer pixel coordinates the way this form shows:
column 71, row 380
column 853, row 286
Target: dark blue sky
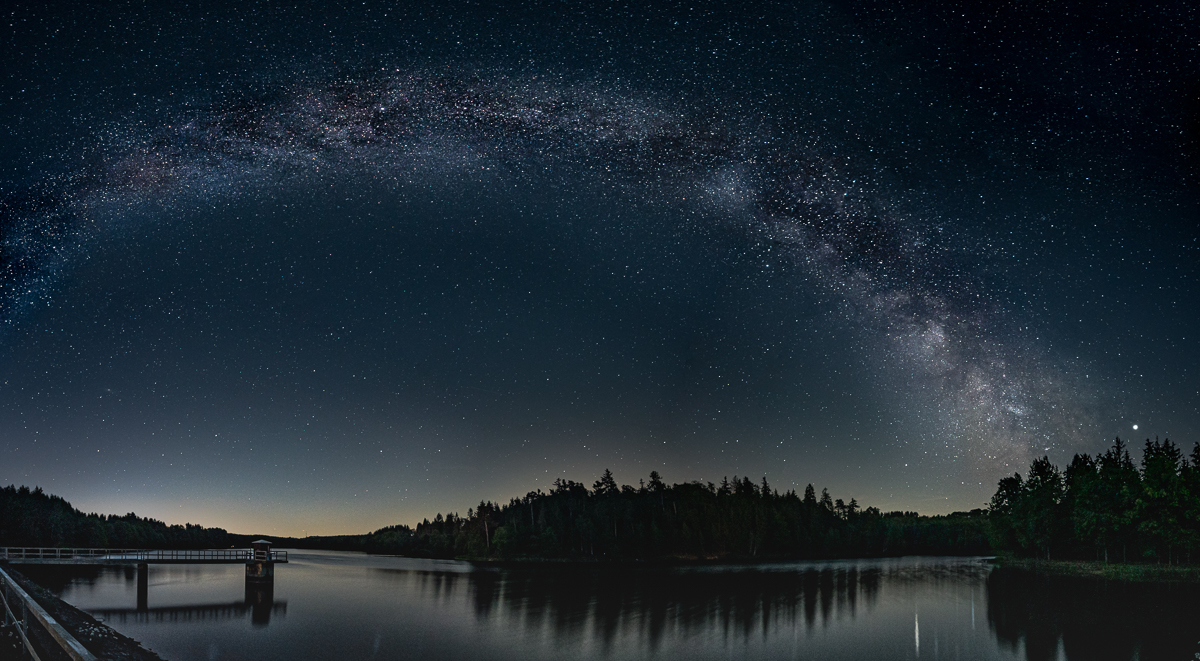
column 289, row 268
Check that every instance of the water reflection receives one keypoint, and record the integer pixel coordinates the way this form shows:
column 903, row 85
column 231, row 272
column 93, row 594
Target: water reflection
column 1093, row 619
column 573, row 601
column 259, row 613
column 341, row 605
column 1030, row 616
column 259, row 598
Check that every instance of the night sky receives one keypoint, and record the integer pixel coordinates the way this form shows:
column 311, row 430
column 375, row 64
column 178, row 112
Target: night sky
column 309, row 269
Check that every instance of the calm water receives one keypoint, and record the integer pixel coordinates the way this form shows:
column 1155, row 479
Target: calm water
column 350, row 606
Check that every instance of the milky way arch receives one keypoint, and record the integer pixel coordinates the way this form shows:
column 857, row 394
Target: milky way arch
column 920, row 313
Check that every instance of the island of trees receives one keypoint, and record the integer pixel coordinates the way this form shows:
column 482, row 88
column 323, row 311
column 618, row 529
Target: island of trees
column 1106, row 508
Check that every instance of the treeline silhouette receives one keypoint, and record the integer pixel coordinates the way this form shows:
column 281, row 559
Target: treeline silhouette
column 1104, row 508
column 738, row 519
column 35, row 518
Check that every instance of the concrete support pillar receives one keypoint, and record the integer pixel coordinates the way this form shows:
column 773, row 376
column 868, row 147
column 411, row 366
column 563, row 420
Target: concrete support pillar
column 143, row 584
column 260, row 571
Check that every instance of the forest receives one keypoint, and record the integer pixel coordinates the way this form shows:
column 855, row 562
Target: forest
column 1104, row 508
column 738, row 519
column 35, row 518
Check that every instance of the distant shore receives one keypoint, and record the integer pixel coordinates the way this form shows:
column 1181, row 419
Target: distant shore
column 686, row 561
column 1115, row 571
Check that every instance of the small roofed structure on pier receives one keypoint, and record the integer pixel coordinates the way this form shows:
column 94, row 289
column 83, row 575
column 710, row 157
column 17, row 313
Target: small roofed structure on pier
column 260, row 567
column 262, row 549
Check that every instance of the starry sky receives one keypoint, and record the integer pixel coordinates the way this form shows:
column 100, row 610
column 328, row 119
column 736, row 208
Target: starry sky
column 320, row 268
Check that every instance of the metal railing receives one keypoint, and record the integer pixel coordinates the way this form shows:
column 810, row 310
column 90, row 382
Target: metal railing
column 17, row 601
column 139, row 555
column 37, row 553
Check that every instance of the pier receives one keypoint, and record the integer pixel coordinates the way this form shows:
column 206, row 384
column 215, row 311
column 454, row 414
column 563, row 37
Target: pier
column 22, row 611
column 259, row 559
column 62, row 556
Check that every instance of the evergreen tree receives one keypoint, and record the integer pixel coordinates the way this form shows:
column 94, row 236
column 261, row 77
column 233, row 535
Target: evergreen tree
column 1191, row 503
column 606, row 485
column 1038, row 512
column 1119, row 487
column 1082, row 502
column 1098, row 507
column 1160, row 507
column 656, row 484
column 1003, row 512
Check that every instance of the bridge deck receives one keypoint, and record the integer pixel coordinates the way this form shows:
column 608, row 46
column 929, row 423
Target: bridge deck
column 57, row 556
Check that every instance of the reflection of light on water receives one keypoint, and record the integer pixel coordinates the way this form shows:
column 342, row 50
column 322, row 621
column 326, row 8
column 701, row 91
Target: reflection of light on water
column 917, row 632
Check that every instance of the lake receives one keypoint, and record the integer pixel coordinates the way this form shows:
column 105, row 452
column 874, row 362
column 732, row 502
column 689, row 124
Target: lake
column 330, row 605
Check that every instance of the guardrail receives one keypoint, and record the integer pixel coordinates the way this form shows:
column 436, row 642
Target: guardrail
column 17, row 601
column 36, row 553
column 140, row 555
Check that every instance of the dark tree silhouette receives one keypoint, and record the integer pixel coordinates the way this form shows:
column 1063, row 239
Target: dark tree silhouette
column 741, row 519
column 34, row 518
column 1103, row 505
column 738, row 519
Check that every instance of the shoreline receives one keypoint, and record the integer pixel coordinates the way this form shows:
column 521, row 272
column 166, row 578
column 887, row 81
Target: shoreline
column 693, row 562
column 99, row 638
column 1130, row 572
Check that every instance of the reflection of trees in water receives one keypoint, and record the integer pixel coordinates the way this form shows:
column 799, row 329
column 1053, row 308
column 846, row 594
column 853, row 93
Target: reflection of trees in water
column 1096, row 619
column 56, row 578
column 651, row 601
column 260, row 613
column 259, row 600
